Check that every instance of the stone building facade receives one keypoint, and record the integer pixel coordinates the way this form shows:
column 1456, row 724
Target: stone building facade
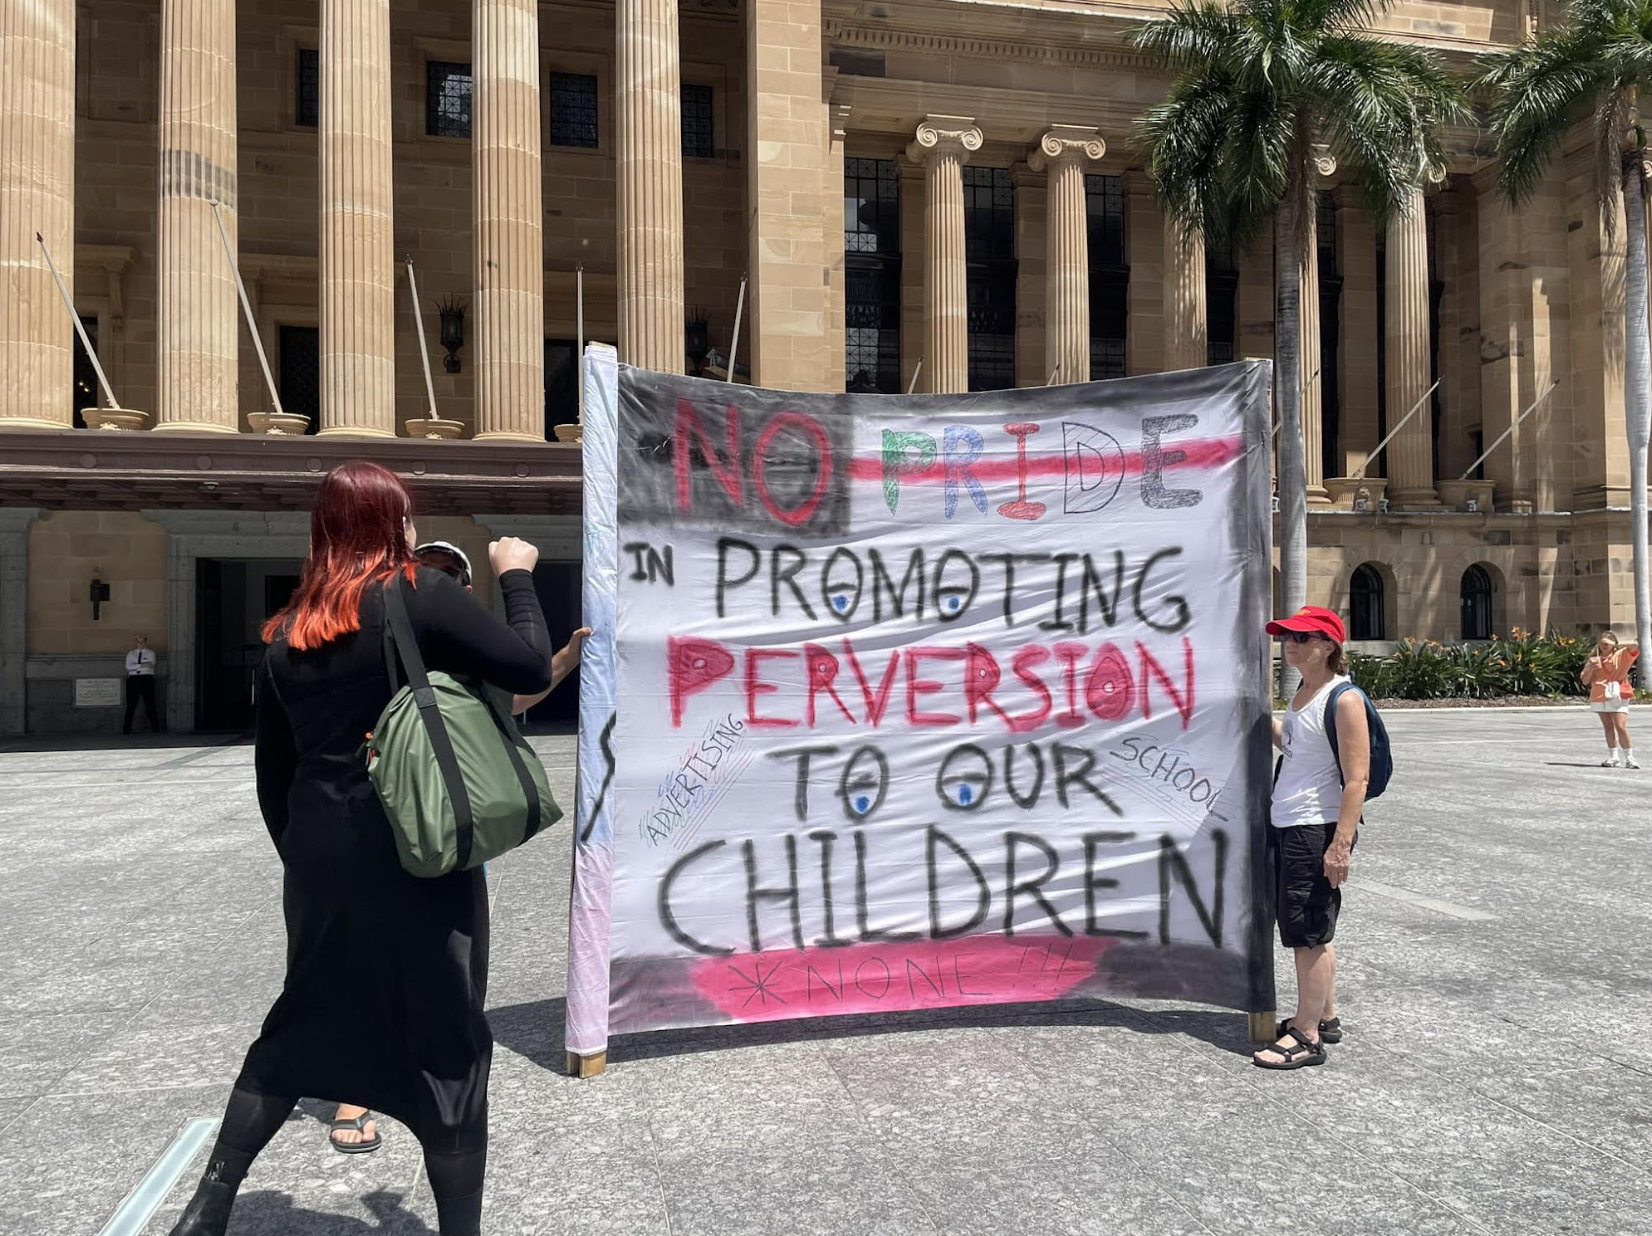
column 921, row 194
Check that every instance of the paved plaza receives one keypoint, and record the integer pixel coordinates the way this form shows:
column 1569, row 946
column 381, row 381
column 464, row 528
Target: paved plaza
column 1496, row 1077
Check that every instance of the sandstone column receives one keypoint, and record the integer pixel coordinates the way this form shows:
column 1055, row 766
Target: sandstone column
column 37, row 194
column 650, row 185
column 1066, row 151
column 1186, row 337
column 358, row 304
column 787, row 181
column 507, row 190
column 1313, row 405
column 1411, row 472
column 197, row 315
column 943, row 145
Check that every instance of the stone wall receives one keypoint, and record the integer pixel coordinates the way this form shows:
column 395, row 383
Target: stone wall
column 116, row 198
column 66, row 548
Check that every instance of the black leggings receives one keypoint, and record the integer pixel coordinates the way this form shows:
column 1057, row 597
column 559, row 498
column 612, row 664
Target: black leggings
column 252, row 1119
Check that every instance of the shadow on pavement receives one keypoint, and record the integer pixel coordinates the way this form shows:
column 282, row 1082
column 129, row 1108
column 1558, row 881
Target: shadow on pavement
column 534, row 1030
column 273, row 1214
column 46, row 744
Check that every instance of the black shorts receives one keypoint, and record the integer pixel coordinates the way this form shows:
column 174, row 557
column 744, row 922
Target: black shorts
column 1307, row 904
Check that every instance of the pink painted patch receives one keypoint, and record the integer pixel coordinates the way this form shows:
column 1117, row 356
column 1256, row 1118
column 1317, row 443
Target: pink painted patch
column 895, row 977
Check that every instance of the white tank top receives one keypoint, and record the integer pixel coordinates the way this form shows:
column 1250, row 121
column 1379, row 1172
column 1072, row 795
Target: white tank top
column 1309, row 789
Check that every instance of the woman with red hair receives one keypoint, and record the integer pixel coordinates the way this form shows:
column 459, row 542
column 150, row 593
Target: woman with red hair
column 412, row 953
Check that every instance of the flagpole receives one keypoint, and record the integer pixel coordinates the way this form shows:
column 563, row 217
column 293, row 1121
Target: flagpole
column 80, row 327
column 424, row 349
column 246, row 310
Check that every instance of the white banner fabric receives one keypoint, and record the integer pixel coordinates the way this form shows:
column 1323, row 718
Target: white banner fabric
column 935, row 701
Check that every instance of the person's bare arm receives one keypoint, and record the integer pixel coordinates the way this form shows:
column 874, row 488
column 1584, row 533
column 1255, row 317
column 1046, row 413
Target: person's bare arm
column 563, row 663
column 1278, row 734
column 1354, row 752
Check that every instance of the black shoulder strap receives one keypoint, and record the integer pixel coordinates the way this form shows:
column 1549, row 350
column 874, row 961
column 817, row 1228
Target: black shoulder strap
column 400, row 632
column 530, row 792
column 1331, row 723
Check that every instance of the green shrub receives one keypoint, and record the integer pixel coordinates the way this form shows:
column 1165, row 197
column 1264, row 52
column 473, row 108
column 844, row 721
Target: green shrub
column 1521, row 663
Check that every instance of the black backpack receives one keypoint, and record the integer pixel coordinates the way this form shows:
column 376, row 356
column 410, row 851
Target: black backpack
column 1382, row 756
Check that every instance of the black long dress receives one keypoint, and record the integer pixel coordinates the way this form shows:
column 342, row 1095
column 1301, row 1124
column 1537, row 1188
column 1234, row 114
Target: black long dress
column 386, row 972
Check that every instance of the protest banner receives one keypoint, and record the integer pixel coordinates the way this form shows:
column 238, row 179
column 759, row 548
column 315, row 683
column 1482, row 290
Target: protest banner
column 902, row 703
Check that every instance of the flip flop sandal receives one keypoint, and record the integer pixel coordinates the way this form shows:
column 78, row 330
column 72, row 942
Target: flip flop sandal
column 359, row 1124
column 1329, row 1031
column 1298, row 1055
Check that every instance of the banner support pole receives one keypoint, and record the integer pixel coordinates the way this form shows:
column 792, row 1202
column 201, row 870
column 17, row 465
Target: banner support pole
column 913, row 384
column 579, row 334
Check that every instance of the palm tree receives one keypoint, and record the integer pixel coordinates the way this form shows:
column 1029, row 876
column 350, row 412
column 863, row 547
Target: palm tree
column 1593, row 65
column 1264, row 87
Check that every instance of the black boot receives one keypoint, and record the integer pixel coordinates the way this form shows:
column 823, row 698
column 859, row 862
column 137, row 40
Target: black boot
column 208, row 1211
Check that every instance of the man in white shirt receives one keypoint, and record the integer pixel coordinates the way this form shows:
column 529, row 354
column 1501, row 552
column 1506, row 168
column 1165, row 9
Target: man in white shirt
column 140, row 684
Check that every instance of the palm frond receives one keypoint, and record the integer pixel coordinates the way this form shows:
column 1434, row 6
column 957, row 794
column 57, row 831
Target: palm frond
column 1612, row 123
column 1194, row 34
column 1382, row 106
column 1292, row 71
column 1258, row 163
column 1540, row 90
column 1181, row 142
column 1339, row 16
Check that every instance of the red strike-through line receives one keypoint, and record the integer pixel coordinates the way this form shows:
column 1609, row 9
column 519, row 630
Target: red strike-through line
column 1176, row 456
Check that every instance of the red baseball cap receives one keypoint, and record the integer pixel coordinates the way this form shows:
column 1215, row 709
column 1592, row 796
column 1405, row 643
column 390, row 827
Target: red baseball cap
column 1313, row 619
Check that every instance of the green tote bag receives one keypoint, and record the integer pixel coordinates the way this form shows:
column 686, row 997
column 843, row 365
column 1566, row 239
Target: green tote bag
column 458, row 781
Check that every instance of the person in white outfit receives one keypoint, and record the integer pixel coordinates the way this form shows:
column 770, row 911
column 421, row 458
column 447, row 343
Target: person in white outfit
column 1317, row 802
column 140, row 684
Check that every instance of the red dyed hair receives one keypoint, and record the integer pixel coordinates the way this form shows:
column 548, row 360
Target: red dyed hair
column 358, row 534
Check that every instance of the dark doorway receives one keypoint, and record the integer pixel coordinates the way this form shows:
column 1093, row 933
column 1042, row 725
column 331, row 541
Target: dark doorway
column 558, row 585
column 87, row 394
column 1476, row 602
column 233, row 597
column 1365, row 605
column 561, row 385
column 299, row 355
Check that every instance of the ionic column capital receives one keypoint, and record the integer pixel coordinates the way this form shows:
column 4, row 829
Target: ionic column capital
column 945, row 135
column 1067, row 143
column 1325, row 164
column 1434, row 178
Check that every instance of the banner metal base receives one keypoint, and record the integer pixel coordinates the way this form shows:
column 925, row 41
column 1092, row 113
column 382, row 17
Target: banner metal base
column 1264, row 1027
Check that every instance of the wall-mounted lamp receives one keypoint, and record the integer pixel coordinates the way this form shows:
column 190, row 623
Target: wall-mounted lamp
column 452, row 312
column 100, row 594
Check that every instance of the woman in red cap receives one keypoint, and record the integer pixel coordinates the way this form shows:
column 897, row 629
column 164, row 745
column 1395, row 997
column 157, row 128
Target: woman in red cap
column 1317, row 801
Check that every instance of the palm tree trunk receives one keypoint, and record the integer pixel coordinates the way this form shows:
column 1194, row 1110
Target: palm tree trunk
column 1637, row 391
column 1287, row 385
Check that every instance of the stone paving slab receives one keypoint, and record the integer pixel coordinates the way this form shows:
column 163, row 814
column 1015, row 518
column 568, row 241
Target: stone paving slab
column 1496, row 1080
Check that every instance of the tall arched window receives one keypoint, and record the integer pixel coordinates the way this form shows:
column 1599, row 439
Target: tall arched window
column 1365, row 604
column 1476, row 602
